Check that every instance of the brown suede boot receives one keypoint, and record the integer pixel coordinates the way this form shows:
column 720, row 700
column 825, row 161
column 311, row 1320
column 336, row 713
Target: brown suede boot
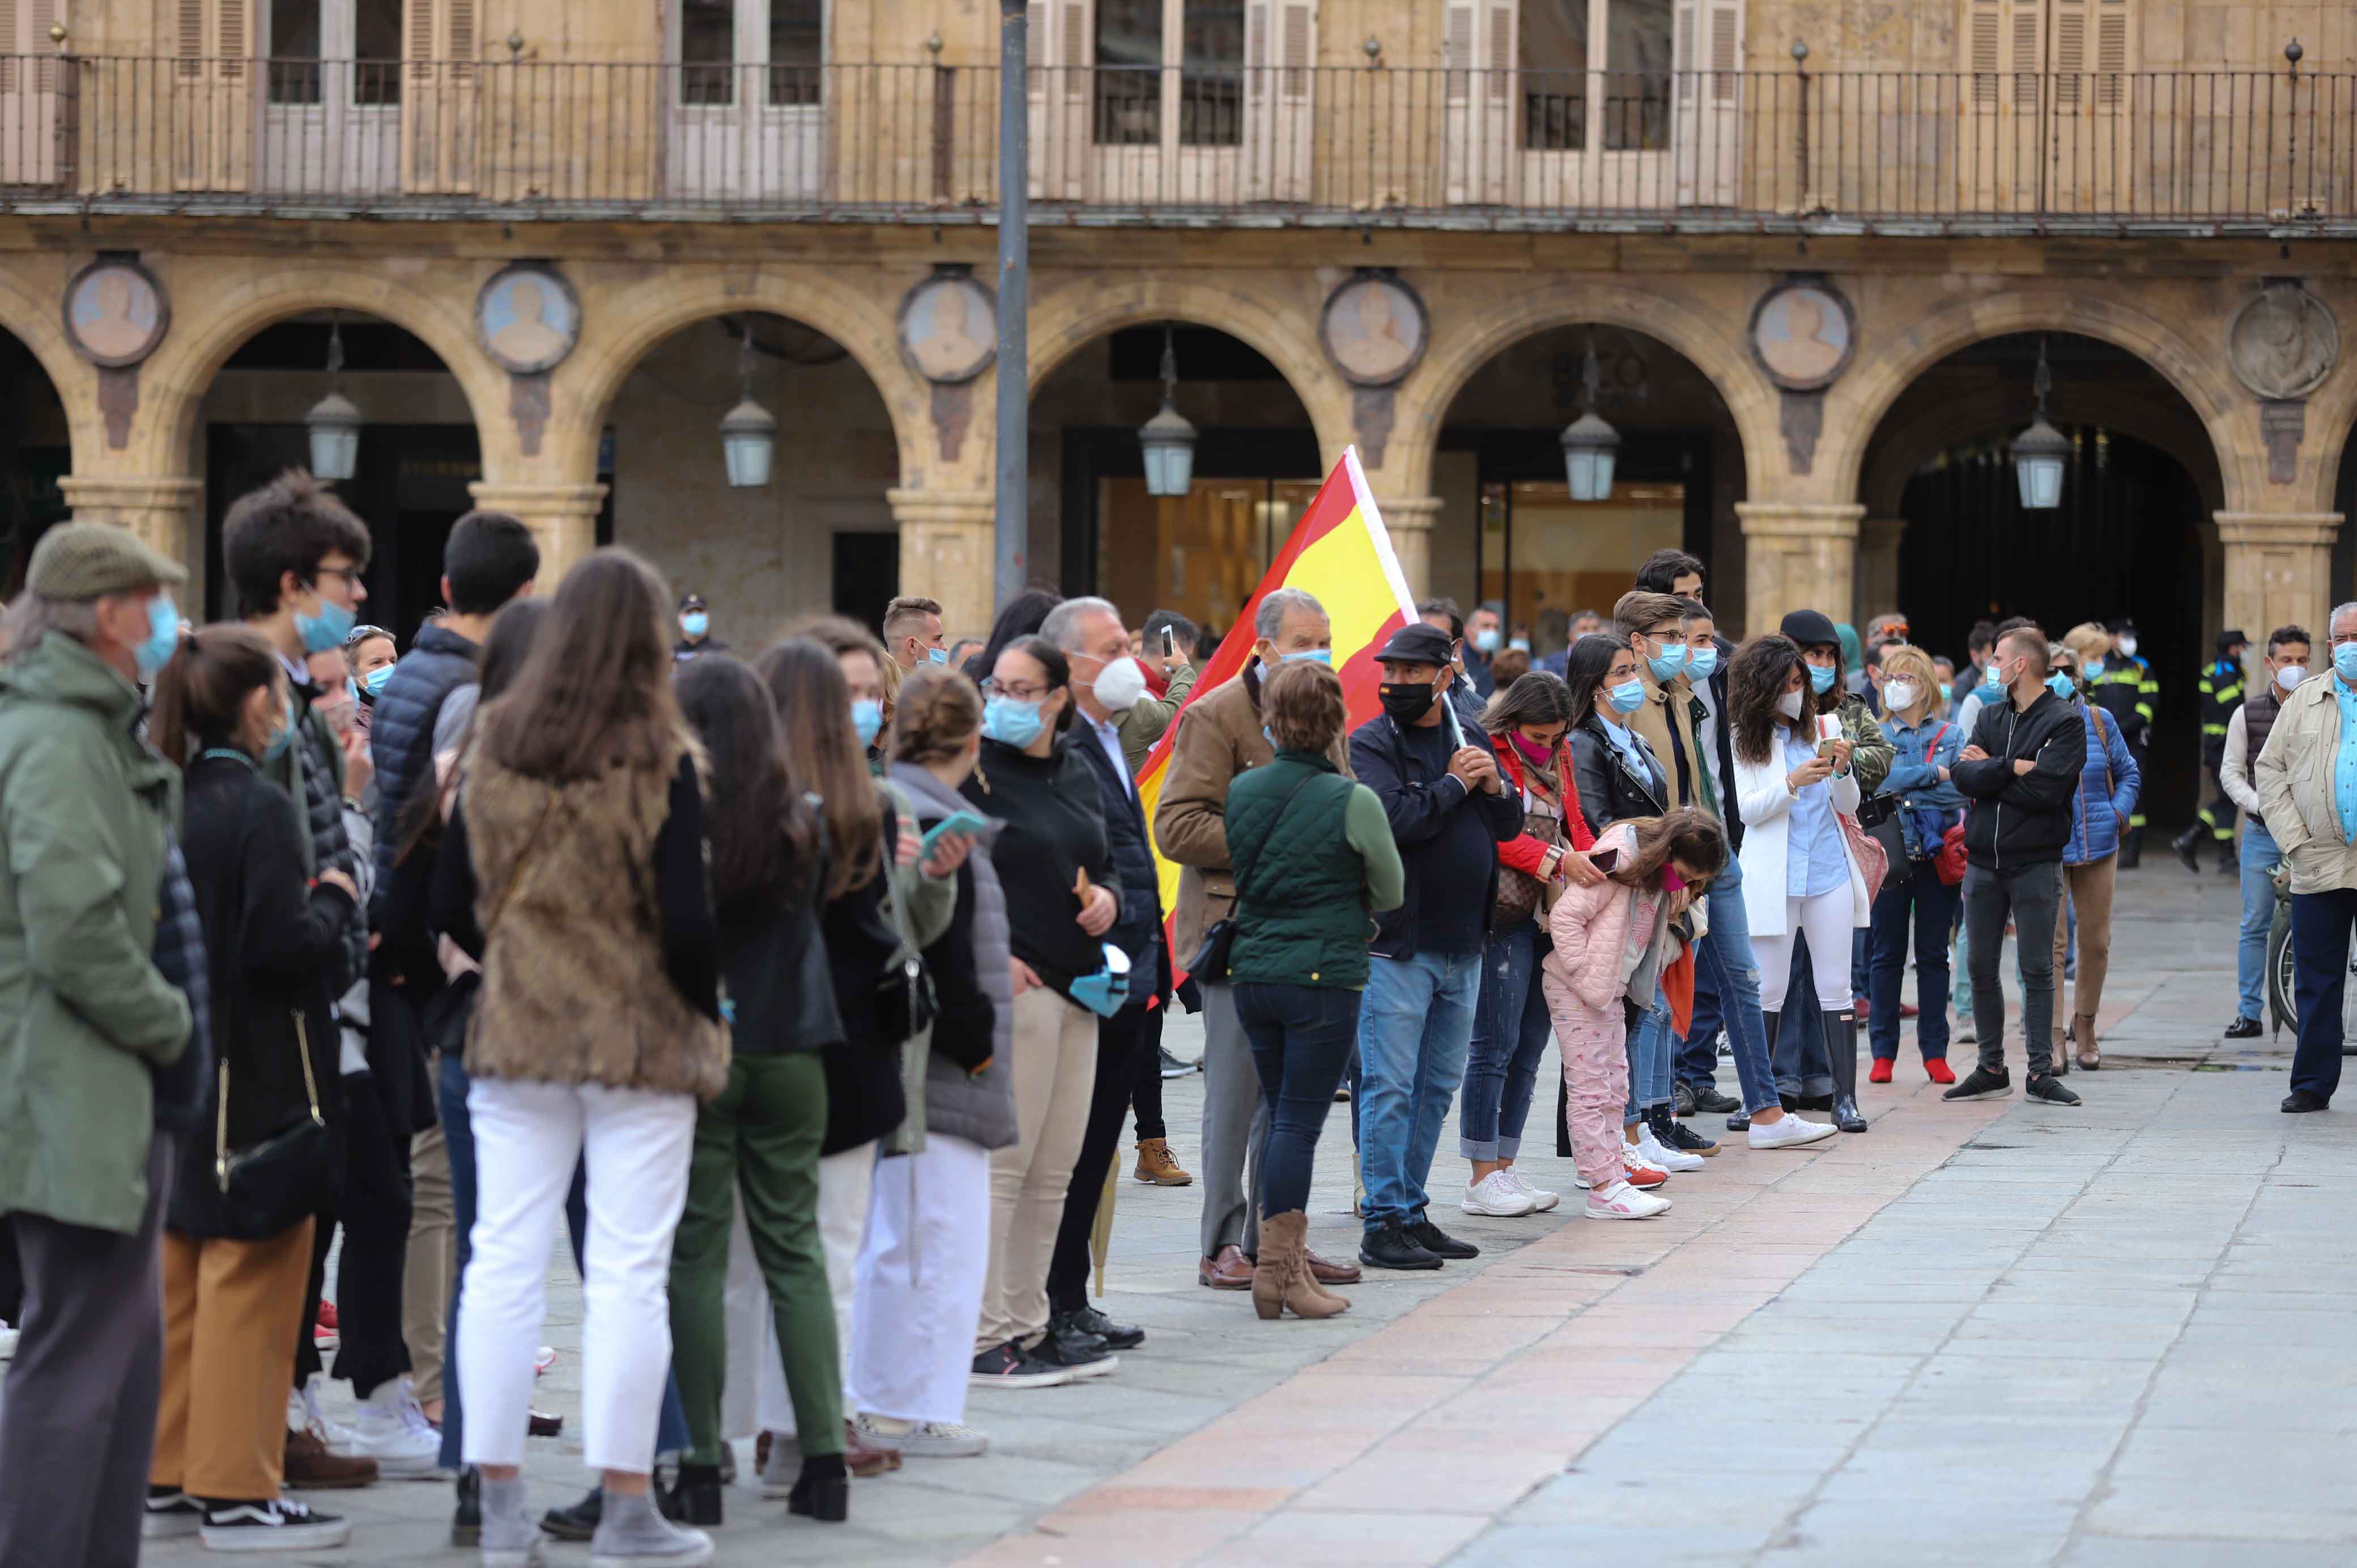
column 1281, row 1281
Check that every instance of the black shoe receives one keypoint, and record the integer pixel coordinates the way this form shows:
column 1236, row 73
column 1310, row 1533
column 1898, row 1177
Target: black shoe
column 1791, row 1102
column 1440, row 1244
column 1740, row 1123
column 1009, row 1367
column 2132, row 850
column 1075, row 1349
column 1672, row 1134
column 696, row 1496
column 1982, row 1084
column 279, row 1524
column 1391, row 1247
column 2300, row 1101
column 2045, row 1086
column 2242, row 1029
column 2229, row 862
column 1817, row 1102
column 824, row 1490
column 2187, row 847
column 1682, row 1099
column 1709, row 1101
column 578, row 1522
column 466, row 1522
column 1116, row 1336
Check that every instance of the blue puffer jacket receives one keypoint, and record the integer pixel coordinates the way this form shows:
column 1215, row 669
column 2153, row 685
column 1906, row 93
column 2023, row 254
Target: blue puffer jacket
column 1929, row 808
column 2108, row 788
column 401, row 735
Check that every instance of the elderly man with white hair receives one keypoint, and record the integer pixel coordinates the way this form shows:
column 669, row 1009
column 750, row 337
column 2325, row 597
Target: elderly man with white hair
column 2306, row 779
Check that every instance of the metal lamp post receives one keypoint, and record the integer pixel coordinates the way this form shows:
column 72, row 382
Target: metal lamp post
column 1011, row 522
column 1168, row 438
column 2040, row 451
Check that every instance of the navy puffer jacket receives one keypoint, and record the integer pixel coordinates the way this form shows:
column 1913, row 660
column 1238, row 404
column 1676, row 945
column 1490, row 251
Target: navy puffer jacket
column 401, row 735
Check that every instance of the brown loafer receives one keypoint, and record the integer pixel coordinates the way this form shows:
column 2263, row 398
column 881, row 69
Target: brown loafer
column 1326, row 1274
column 1229, row 1270
column 310, row 1467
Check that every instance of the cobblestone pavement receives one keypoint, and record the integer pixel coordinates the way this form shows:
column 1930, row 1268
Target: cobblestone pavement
column 1981, row 1334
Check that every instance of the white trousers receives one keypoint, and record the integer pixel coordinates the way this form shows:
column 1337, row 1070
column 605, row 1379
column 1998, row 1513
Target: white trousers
column 528, row 1137
column 843, row 1183
column 921, row 1280
column 1828, row 920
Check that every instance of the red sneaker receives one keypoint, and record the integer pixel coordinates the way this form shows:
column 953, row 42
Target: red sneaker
column 1880, row 1071
column 324, row 1333
column 1908, row 1010
column 1939, row 1071
column 1645, row 1176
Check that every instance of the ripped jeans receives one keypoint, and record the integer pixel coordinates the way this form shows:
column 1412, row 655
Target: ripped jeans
column 1510, row 1037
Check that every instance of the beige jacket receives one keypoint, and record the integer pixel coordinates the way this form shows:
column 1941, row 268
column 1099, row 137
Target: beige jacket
column 1219, row 737
column 2294, row 775
column 1667, row 706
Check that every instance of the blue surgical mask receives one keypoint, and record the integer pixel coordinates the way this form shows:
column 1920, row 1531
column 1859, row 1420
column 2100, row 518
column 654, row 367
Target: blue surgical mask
column 1486, row 639
column 378, row 679
column 163, row 636
column 1991, row 679
column 1629, row 695
column 1520, row 644
column 327, row 630
column 867, row 718
column 1010, row 723
column 2059, row 685
column 1669, row 662
column 1946, row 692
column 2344, row 662
column 1316, row 655
column 1821, row 678
column 283, row 739
column 937, row 655
column 2094, row 669
column 1702, row 662
column 695, row 623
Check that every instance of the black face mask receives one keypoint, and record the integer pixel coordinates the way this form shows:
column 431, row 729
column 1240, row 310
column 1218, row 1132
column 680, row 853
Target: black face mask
column 1408, row 701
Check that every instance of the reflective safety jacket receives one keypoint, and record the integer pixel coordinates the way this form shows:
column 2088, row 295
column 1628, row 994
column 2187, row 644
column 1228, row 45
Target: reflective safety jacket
column 2222, row 694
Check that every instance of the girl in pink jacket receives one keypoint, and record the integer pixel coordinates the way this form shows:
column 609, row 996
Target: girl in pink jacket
column 1611, row 941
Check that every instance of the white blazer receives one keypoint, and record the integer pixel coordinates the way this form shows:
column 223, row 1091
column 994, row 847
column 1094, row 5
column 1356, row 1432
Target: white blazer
column 1765, row 800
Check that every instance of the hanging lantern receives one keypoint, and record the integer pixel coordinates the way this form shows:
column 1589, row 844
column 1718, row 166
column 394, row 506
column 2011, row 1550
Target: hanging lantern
column 2040, row 452
column 1168, row 438
column 334, row 422
column 749, row 432
column 1590, row 444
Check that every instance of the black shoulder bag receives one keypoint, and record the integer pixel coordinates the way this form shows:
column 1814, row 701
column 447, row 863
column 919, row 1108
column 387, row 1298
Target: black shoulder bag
column 270, row 1188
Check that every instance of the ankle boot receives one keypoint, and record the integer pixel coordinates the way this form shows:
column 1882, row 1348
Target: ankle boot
column 2091, row 1057
column 697, row 1495
column 824, row 1490
column 1841, row 1051
column 1281, row 1281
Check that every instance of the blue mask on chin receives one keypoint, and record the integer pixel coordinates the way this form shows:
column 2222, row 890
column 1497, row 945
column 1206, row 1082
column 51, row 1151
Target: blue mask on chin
column 327, row 630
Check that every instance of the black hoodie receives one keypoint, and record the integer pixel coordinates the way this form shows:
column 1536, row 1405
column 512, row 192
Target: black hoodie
column 2022, row 819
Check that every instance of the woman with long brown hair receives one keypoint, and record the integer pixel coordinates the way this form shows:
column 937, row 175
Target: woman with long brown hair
column 573, row 870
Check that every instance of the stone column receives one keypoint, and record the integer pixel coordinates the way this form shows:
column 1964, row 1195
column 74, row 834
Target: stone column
column 1797, row 555
column 563, row 520
column 947, row 554
column 161, row 512
column 1408, row 520
column 2278, row 568
column 1877, row 567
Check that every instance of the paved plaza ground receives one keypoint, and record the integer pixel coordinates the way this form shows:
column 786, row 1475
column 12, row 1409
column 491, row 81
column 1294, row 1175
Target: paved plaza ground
column 1981, row 1334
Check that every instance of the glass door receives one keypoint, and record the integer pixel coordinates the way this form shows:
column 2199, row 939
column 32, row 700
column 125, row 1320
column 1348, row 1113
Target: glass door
column 1542, row 551
column 332, row 117
column 748, row 119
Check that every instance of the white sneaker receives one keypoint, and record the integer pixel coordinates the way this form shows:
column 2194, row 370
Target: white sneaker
column 923, row 1439
column 304, row 1415
column 1540, row 1198
column 1651, row 1150
column 1621, row 1201
column 7, row 1342
column 1496, row 1193
column 1789, row 1131
column 392, row 1430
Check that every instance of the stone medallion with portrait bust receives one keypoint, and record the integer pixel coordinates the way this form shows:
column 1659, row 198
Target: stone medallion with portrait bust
column 115, row 312
column 1374, row 328
column 1803, row 334
column 528, row 319
column 948, row 327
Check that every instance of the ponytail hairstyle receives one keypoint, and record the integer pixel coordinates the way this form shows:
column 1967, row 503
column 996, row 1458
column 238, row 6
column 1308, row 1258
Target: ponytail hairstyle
column 1684, row 835
column 940, row 714
column 201, row 694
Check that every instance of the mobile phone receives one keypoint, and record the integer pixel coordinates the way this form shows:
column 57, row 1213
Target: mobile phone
column 1170, row 643
column 1604, row 859
column 958, row 822
column 1825, row 749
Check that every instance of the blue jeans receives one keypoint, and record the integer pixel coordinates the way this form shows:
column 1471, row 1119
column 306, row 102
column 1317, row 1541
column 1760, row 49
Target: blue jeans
column 459, row 1139
column 1413, row 1027
column 2319, row 956
column 1960, row 973
column 2260, row 858
column 1652, row 1042
column 1727, row 969
column 1301, row 1038
column 1510, row 1037
column 1928, row 907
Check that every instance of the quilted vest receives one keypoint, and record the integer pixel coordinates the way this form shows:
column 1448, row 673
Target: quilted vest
column 1301, row 904
column 2259, row 722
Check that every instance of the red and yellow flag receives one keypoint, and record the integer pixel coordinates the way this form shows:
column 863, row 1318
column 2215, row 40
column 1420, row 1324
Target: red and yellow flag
column 1339, row 556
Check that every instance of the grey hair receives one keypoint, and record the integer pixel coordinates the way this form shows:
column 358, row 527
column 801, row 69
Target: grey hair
column 1280, row 604
column 32, row 618
column 1062, row 626
column 2338, row 611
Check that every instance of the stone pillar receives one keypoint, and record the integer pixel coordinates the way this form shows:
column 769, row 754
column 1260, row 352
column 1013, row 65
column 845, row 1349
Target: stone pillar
column 2278, row 568
column 1408, row 520
column 947, row 553
column 161, row 512
column 1797, row 555
column 1877, row 567
column 563, row 520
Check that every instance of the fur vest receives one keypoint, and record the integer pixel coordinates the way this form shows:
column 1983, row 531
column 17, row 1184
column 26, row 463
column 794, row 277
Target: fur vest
column 573, row 985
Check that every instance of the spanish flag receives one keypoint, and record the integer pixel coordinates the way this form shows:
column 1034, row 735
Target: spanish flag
column 1339, row 556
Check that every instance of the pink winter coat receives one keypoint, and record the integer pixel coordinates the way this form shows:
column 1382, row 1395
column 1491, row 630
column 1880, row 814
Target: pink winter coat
column 1592, row 927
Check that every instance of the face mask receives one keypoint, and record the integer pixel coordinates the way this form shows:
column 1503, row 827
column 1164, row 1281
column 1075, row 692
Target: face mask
column 2290, row 675
column 1669, row 662
column 2059, row 685
column 1011, row 722
column 2094, row 669
column 2127, row 647
column 1900, row 696
column 1945, row 693
column 378, row 679
column 1120, row 683
column 1533, row 752
column 1821, row 678
column 352, row 690
column 1407, row 701
column 326, row 629
column 1671, row 881
column 937, row 655
column 283, row 739
column 163, row 636
column 1789, row 704
column 867, row 718
column 1629, row 695
column 1991, row 679
column 1486, row 639
column 2344, row 662
column 1316, row 655
column 695, row 623
column 1701, row 662
column 1520, row 645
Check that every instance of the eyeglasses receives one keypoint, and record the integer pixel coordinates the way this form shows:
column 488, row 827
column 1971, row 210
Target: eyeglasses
column 351, row 574
column 1020, row 692
column 365, row 633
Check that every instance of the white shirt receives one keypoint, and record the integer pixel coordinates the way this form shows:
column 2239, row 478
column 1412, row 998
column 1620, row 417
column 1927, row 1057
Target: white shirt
column 1110, row 738
column 2234, row 767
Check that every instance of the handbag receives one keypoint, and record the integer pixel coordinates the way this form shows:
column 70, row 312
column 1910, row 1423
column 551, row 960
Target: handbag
column 268, row 1189
column 1209, row 965
column 1873, row 861
column 1950, row 863
column 906, row 1004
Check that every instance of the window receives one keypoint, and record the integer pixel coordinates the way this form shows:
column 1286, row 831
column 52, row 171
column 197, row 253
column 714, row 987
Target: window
column 797, row 51
column 1552, row 56
column 352, row 48
column 707, row 51
column 295, row 51
column 1137, row 43
column 1638, row 61
column 1210, row 80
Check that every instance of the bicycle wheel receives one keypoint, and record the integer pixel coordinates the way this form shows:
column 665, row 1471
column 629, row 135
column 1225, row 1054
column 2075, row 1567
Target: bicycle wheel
column 2280, row 979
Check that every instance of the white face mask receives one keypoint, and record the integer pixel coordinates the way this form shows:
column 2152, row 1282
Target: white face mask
column 1789, row 704
column 1899, row 695
column 2128, row 646
column 2290, row 675
column 1120, row 683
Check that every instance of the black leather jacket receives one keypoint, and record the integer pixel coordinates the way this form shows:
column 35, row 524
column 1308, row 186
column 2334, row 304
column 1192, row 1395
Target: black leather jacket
column 1608, row 790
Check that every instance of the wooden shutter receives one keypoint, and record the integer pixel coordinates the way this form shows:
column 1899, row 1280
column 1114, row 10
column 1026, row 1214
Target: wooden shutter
column 441, row 82
column 28, row 92
column 2068, row 57
column 1984, row 51
column 1280, row 55
column 1707, row 104
column 213, row 105
column 2111, row 53
column 1478, row 86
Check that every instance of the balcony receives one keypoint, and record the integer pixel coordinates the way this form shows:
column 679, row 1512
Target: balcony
column 2174, row 152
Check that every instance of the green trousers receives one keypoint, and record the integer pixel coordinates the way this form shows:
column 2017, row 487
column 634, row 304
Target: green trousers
column 761, row 1138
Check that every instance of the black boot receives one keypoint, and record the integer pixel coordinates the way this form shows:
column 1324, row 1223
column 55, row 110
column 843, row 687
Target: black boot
column 697, row 1495
column 824, row 1492
column 2188, row 845
column 2229, row 862
column 1841, row 1051
column 2132, row 849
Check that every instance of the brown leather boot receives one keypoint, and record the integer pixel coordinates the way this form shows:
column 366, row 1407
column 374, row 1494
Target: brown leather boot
column 2091, row 1056
column 1281, row 1281
column 310, row 1467
column 1156, row 1166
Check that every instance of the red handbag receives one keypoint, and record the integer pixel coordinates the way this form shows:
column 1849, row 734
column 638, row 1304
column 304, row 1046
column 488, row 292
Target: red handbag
column 1950, row 861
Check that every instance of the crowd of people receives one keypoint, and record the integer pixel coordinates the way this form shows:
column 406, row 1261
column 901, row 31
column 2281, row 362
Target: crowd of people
column 815, row 989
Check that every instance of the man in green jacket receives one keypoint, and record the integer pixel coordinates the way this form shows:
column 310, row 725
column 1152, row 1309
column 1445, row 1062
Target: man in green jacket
column 86, row 1020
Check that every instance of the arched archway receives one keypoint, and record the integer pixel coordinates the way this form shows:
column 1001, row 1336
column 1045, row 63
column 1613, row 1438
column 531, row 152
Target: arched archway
column 36, row 451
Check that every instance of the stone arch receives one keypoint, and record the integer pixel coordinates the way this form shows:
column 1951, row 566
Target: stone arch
column 1283, row 330
column 624, row 324
column 1857, row 405
column 219, row 319
column 36, row 321
column 1710, row 341
column 1909, row 445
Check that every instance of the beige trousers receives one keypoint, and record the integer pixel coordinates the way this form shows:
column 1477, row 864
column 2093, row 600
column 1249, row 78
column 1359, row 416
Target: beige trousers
column 1055, row 1072
column 431, row 1268
column 232, row 1310
column 2088, row 889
